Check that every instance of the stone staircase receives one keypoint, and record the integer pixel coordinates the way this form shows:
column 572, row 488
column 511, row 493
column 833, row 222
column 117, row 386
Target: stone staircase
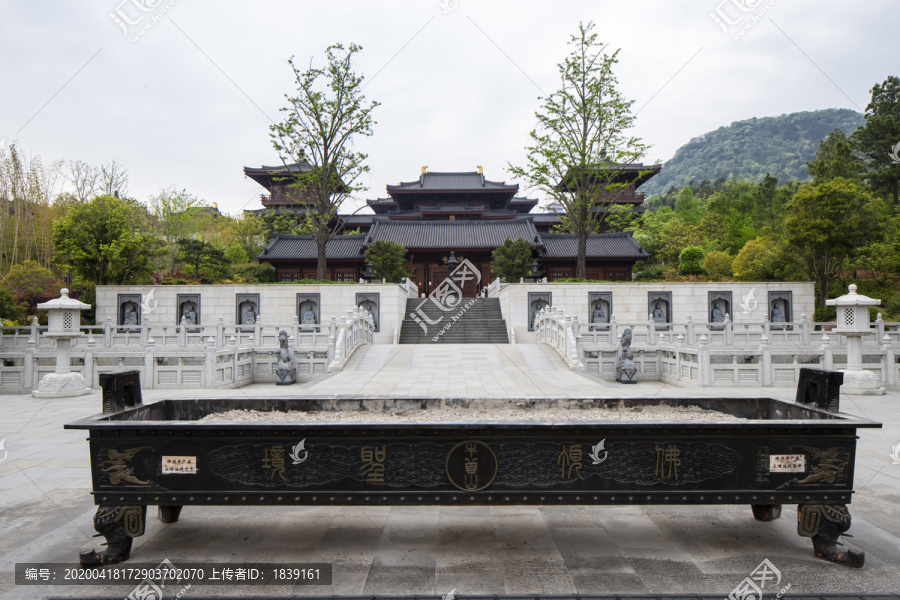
column 482, row 323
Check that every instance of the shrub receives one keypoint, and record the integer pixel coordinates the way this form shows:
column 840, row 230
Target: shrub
column 650, row 273
column 690, row 261
column 512, row 259
column 388, row 260
column 718, row 265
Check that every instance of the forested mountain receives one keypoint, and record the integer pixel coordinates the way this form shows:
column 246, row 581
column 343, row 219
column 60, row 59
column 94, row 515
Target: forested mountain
column 749, row 149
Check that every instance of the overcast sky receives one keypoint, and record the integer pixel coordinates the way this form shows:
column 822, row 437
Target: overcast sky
column 188, row 104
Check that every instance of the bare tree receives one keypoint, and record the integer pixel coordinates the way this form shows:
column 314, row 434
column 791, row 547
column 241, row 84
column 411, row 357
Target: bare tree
column 84, row 178
column 113, row 179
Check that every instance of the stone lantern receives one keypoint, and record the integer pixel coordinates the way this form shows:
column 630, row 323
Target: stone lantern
column 853, row 322
column 64, row 325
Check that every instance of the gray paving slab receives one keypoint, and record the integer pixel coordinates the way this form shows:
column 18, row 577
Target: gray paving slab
column 46, row 509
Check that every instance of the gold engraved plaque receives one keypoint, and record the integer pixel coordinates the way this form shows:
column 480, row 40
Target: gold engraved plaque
column 471, row 466
column 180, row 465
column 787, row 463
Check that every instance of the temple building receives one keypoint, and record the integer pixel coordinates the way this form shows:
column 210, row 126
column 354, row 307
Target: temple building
column 440, row 212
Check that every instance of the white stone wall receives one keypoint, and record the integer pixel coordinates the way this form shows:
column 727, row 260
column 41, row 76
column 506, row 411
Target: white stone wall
column 629, row 300
column 277, row 303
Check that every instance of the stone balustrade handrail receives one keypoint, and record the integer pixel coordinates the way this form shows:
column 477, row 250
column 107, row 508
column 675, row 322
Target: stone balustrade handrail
column 560, row 331
column 355, row 329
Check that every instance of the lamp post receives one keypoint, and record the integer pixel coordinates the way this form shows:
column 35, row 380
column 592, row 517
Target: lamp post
column 63, row 324
column 368, row 272
column 853, row 322
column 452, row 262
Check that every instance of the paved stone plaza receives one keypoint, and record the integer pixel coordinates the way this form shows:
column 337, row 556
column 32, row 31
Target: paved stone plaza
column 46, row 509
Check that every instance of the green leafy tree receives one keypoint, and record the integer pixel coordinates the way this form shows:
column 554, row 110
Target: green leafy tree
column 836, row 157
column 249, row 230
column 687, row 207
column 10, row 311
column 512, row 259
column 322, row 122
column 580, row 145
column 757, row 260
column 202, row 255
column 879, row 137
column 718, row 265
column 767, row 200
column 388, row 260
column 236, row 255
column 827, row 224
column 175, row 213
column 690, row 261
column 677, row 236
column 652, row 226
column 713, row 231
column 30, row 284
column 108, row 241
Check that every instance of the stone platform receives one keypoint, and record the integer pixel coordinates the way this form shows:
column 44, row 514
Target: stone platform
column 46, row 508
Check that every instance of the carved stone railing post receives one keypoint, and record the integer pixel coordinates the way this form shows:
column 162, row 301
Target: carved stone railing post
column 145, row 334
column 34, row 329
column 148, row 381
column 827, row 353
column 107, row 332
column 765, row 361
column 889, row 374
column 257, row 330
column 88, row 371
column 613, row 330
column 220, row 332
column 28, row 375
column 879, row 327
column 689, row 331
column 804, row 329
column 209, row 362
column 703, row 364
column 729, row 331
column 651, row 330
column 766, row 327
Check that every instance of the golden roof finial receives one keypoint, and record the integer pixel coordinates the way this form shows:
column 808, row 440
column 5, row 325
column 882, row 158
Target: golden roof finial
column 480, row 169
column 424, row 168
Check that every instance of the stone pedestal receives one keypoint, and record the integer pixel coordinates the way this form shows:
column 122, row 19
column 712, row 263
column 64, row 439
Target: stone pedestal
column 67, row 385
